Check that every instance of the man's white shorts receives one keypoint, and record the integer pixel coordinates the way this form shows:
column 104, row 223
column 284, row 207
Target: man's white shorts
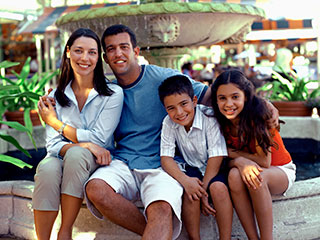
column 147, row 185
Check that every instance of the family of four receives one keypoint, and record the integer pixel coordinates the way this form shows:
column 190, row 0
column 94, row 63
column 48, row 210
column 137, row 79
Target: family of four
column 230, row 154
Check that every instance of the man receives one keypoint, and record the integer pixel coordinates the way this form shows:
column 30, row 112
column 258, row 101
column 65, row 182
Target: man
column 135, row 171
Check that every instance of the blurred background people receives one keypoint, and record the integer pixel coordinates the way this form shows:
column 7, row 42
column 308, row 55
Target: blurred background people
column 282, row 58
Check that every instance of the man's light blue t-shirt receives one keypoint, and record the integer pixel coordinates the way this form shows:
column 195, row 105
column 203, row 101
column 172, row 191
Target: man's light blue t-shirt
column 138, row 133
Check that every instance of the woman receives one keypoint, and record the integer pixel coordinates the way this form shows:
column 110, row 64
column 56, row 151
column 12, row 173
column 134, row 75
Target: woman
column 79, row 133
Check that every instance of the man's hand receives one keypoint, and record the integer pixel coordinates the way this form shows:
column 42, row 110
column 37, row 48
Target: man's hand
column 46, row 98
column 103, row 156
column 273, row 122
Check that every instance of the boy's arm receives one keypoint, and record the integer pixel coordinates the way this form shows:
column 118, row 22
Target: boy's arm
column 212, row 169
column 206, row 100
column 192, row 186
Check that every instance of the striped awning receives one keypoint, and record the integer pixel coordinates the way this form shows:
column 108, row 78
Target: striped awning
column 269, row 24
column 291, row 40
column 268, row 30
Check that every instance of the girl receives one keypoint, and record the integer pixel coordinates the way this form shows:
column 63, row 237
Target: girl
column 79, row 132
column 260, row 164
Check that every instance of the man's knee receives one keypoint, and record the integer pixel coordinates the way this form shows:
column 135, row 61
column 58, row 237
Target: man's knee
column 159, row 209
column 97, row 190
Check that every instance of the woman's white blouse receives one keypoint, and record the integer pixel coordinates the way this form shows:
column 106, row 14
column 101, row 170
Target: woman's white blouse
column 95, row 123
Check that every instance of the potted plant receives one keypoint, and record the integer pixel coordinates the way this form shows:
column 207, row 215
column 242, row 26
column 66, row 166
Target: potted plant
column 290, row 95
column 20, row 95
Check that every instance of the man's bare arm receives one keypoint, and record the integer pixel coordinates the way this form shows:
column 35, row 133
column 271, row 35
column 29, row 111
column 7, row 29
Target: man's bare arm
column 273, row 122
column 206, row 100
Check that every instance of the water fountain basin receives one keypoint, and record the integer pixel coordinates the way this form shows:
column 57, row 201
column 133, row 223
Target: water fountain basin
column 171, row 24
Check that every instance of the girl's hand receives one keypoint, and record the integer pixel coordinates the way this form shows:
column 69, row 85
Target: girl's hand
column 103, row 156
column 47, row 110
column 193, row 188
column 206, row 207
column 250, row 173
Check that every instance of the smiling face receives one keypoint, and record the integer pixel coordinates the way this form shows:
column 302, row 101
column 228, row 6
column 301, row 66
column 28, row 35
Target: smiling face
column 122, row 57
column 83, row 55
column 181, row 109
column 230, row 100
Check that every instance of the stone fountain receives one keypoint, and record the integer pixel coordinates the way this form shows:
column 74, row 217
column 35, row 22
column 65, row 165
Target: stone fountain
column 166, row 30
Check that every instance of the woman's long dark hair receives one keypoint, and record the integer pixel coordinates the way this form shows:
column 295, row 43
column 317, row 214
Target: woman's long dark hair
column 66, row 72
column 253, row 117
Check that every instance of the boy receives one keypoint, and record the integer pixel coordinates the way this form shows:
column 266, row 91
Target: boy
column 202, row 145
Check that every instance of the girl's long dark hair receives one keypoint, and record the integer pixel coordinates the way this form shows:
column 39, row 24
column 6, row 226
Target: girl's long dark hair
column 66, row 72
column 253, row 118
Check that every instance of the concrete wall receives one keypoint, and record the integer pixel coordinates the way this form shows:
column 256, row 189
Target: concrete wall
column 296, row 216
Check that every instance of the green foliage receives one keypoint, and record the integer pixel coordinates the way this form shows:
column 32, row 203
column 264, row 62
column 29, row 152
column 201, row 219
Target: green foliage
column 7, row 64
column 13, row 141
column 22, row 92
column 294, row 89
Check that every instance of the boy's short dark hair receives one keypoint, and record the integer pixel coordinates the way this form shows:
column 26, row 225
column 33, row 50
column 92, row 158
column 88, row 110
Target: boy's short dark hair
column 116, row 29
column 177, row 84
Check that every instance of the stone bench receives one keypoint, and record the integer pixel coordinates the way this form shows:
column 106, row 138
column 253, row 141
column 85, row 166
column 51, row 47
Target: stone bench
column 296, row 216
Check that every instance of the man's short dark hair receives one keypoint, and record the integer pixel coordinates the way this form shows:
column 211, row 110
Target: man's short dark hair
column 116, row 29
column 177, row 84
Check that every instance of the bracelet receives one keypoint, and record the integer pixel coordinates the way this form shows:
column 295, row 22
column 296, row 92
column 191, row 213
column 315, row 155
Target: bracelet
column 60, row 130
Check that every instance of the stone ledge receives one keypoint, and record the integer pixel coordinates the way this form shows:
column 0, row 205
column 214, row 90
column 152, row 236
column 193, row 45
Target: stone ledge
column 296, row 216
column 304, row 127
column 301, row 189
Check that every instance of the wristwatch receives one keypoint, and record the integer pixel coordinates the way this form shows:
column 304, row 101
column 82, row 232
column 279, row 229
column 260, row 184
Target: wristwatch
column 60, row 130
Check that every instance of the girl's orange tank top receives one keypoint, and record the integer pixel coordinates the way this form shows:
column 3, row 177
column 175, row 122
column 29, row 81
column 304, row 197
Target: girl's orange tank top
column 279, row 154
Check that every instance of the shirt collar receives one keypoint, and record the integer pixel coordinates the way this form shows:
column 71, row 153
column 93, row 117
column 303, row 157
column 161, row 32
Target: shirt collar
column 197, row 122
column 137, row 80
column 70, row 94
